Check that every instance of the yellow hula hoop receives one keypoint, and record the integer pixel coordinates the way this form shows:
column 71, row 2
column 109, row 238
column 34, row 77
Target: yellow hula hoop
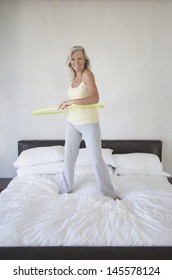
column 54, row 110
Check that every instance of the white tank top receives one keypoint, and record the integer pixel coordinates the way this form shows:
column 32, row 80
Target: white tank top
column 81, row 116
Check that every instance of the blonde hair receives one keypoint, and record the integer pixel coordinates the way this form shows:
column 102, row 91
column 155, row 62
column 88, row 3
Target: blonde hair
column 68, row 60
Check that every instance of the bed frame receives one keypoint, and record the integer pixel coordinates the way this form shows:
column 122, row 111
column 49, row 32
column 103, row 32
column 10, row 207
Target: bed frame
column 94, row 253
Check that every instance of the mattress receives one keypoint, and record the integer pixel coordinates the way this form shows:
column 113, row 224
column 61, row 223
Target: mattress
column 33, row 213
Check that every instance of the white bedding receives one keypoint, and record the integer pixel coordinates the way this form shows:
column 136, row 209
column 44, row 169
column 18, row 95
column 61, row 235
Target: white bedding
column 32, row 213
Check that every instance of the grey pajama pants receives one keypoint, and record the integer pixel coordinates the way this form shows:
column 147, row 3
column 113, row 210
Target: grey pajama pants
column 91, row 135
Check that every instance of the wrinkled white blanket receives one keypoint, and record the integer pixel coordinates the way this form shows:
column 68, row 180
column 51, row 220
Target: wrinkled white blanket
column 32, row 213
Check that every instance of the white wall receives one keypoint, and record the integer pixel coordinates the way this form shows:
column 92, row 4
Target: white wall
column 129, row 44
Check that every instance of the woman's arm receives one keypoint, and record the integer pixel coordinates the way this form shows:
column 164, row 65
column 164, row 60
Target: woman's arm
column 93, row 95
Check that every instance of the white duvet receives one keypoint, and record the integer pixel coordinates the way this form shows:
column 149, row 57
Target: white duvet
column 32, row 213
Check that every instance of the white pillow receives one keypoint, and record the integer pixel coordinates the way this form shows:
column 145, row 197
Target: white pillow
column 49, row 168
column 40, row 155
column 54, row 168
column 127, row 171
column 83, row 158
column 138, row 163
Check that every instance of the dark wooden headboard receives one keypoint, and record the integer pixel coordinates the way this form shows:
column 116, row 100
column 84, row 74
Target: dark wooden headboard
column 118, row 146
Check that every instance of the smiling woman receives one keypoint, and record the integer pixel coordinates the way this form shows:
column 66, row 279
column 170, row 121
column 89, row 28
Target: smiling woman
column 71, row 57
column 83, row 123
column 79, row 64
column 78, row 61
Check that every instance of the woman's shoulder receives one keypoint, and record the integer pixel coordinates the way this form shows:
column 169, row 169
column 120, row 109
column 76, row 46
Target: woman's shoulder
column 87, row 76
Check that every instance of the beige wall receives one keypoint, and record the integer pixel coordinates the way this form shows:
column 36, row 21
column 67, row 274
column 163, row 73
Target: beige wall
column 129, row 44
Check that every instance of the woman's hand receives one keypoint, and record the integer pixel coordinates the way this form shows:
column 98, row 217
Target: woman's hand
column 64, row 105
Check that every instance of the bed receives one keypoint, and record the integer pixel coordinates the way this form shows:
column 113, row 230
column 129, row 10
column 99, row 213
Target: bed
column 36, row 222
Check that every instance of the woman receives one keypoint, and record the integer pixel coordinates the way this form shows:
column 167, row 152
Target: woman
column 83, row 123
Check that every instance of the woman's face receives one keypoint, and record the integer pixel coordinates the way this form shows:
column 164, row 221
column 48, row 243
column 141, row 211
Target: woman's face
column 78, row 61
